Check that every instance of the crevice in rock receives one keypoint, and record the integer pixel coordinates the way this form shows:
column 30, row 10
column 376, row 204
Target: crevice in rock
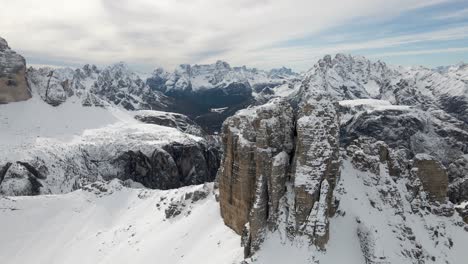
column 4, row 170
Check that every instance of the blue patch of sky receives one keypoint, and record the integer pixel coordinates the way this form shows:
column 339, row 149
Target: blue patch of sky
column 418, row 21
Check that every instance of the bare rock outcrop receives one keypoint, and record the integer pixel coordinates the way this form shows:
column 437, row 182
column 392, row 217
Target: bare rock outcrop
column 433, row 177
column 279, row 169
column 253, row 176
column 13, row 84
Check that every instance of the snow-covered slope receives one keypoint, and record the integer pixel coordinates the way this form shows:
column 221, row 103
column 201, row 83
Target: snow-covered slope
column 108, row 223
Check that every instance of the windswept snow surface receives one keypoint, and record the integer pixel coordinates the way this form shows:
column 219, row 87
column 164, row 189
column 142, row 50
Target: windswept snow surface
column 122, row 225
column 33, row 124
column 22, row 123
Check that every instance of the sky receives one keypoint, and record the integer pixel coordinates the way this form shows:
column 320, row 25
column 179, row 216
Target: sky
column 258, row 33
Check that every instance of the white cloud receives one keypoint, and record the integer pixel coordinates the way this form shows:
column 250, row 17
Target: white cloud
column 169, row 32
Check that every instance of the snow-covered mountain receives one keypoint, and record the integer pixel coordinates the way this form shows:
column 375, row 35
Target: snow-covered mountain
column 115, row 84
column 365, row 164
column 221, row 75
column 354, row 161
column 458, row 71
column 190, row 90
column 198, row 89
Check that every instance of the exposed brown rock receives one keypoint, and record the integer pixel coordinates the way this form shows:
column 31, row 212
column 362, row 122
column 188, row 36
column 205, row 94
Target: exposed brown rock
column 256, row 147
column 433, row 177
column 256, row 171
column 277, row 185
column 13, row 84
column 237, row 182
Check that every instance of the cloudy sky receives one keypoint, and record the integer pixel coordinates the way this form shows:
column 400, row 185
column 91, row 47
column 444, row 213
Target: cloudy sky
column 257, row 33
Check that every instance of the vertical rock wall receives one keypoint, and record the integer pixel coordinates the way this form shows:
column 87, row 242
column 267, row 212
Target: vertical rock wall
column 254, row 172
column 269, row 155
column 315, row 168
column 13, row 84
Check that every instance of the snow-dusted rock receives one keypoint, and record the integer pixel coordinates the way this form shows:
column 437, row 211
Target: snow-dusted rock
column 175, row 120
column 115, row 84
column 157, row 157
column 17, row 179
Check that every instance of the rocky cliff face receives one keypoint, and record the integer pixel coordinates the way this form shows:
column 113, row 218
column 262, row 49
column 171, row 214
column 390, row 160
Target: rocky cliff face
column 257, row 144
column 284, row 161
column 279, row 171
column 140, row 153
column 13, row 84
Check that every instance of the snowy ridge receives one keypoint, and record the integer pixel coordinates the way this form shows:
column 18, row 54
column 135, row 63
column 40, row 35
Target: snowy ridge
column 115, row 84
column 218, row 75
